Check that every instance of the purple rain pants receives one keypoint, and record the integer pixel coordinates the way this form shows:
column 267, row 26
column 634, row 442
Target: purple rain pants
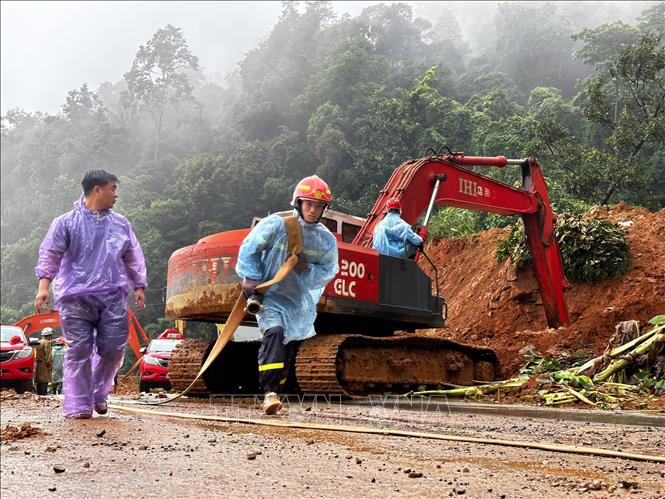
column 96, row 328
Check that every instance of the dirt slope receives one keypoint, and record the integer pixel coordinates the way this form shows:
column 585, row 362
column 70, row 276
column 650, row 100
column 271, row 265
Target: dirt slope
column 498, row 306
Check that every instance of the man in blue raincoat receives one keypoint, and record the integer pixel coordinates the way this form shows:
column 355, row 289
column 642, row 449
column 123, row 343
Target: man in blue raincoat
column 289, row 307
column 394, row 237
column 94, row 260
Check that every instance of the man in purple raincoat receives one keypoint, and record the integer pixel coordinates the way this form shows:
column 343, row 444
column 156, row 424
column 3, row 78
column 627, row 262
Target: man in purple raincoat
column 93, row 259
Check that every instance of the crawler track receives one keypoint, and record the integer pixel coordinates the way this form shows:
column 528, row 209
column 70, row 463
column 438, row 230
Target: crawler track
column 234, row 371
column 360, row 365
column 348, row 365
column 185, row 363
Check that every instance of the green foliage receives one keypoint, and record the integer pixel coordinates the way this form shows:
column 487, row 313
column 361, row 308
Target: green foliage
column 648, row 382
column 157, row 79
column 9, row 315
column 151, row 330
column 514, row 247
column 576, row 380
column 543, row 59
column 347, row 98
column 547, row 104
column 604, row 43
column 536, row 364
column 658, row 320
column 453, row 222
column 496, row 105
column 592, row 250
column 659, row 387
column 626, row 96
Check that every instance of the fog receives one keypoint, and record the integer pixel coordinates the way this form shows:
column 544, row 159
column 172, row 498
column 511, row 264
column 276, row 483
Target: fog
column 233, row 103
column 49, row 48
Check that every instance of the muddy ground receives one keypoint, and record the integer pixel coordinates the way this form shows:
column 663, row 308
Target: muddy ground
column 124, row 454
column 497, row 305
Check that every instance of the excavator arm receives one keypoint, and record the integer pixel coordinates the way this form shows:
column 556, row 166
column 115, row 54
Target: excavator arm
column 447, row 180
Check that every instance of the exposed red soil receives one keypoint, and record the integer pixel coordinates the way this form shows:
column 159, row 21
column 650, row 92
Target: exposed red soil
column 127, row 385
column 497, row 305
column 25, row 430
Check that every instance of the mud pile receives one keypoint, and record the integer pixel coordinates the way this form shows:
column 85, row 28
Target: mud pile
column 497, row 305
column 127, row 385
column 26, row 430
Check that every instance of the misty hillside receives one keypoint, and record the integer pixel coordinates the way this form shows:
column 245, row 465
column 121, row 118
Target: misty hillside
column 580, row 87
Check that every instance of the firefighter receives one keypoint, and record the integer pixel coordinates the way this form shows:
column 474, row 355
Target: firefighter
column 94, row 259
column 44, row 361
column 289, row 307
column 394, row 237
column 56, row 371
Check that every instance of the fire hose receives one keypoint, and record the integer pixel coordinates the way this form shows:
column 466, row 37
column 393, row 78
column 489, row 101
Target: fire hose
column 570, row 449
column 294, row 248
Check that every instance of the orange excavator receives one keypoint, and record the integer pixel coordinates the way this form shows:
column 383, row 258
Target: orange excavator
column 367, row 311
column 36, row 322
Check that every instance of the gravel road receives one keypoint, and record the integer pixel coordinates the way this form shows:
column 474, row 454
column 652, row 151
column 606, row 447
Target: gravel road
column 124, row 454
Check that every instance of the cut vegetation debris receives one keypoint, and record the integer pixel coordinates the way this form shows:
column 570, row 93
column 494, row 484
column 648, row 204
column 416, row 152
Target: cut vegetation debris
column 629, row 374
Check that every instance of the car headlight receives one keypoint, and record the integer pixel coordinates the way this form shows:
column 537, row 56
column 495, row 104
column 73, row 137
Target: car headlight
column 150, row 360
column 23, row 354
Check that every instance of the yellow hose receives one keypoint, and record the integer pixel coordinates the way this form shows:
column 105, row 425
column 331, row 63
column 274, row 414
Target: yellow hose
column 570, row 449
column 294, row 248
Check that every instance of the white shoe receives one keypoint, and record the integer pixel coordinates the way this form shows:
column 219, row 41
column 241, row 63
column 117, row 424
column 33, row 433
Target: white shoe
column 271, row 404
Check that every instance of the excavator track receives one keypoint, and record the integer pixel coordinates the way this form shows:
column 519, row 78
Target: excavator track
column 234, row 371
column 185, row 363
column 347, row 365
column 357, row 365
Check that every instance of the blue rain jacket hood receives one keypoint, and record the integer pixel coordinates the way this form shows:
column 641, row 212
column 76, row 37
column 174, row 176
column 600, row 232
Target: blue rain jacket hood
column 91, row 253
column 291, row 303
column 394, row 237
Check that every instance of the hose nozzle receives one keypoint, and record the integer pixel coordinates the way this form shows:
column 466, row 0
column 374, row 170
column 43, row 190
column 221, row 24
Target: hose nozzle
column 254, row 304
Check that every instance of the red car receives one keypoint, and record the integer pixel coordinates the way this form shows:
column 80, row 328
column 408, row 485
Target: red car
column 154, row 364
column 17, row 360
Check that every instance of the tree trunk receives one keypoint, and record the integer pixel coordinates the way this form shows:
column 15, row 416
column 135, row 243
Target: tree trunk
column 158, row 134
column 609, row 192
column 155, row 156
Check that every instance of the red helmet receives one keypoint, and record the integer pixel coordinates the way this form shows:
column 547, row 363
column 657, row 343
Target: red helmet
column 60, row 340
column 393, row 204
column 312, row 188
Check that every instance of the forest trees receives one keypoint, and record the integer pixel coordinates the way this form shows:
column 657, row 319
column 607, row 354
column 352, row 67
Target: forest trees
column 627, row 96
column 348, row 98
column 158, row 78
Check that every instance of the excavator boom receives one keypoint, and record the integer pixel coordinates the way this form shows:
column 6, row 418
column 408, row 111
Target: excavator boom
column 448, row 181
